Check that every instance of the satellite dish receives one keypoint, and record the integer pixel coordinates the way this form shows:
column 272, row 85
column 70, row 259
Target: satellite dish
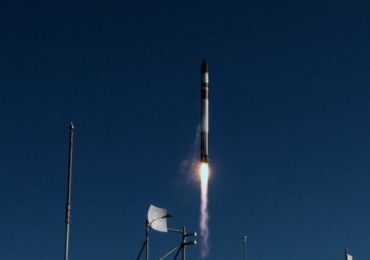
column 157, row 218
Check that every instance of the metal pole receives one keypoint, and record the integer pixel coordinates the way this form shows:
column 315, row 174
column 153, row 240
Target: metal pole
column 141, row 250
column 245, row 247
column 174, row 230
column 177, row 253
column 68, row 204
column 167, row 254
column 183, row 242
column 147, row 239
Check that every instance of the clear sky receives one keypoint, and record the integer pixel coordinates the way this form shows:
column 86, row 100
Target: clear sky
column 289, row 126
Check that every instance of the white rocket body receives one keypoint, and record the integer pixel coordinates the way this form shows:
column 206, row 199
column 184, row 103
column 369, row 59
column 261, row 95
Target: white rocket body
column 204, row 103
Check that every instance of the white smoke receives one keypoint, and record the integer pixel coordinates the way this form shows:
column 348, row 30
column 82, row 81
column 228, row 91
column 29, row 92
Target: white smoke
column 191, row 168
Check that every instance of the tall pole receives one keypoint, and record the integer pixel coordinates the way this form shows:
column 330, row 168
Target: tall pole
column 147, row 239
column 68, row 204
column 183, row 242
column 245, row 247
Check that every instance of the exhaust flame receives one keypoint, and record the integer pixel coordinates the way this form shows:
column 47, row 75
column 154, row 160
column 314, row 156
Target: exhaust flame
column 204, row 231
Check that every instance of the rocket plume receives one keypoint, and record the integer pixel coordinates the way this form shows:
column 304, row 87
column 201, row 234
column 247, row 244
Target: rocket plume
column 204, row 231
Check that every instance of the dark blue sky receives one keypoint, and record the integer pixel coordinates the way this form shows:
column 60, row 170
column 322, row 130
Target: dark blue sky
column 289, row 126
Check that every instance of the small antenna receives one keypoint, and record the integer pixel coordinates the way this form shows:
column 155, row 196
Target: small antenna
column 68, row 204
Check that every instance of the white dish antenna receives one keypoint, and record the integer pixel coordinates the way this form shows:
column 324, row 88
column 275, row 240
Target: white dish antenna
column 157, row 218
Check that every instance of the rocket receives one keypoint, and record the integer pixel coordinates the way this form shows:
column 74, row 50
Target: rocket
column 204, row 112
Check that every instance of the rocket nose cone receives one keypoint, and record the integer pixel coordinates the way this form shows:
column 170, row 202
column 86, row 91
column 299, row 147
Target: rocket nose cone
column 204, row 66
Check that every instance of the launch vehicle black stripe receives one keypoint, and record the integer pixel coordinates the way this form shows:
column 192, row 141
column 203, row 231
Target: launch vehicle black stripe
column 204, row 93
